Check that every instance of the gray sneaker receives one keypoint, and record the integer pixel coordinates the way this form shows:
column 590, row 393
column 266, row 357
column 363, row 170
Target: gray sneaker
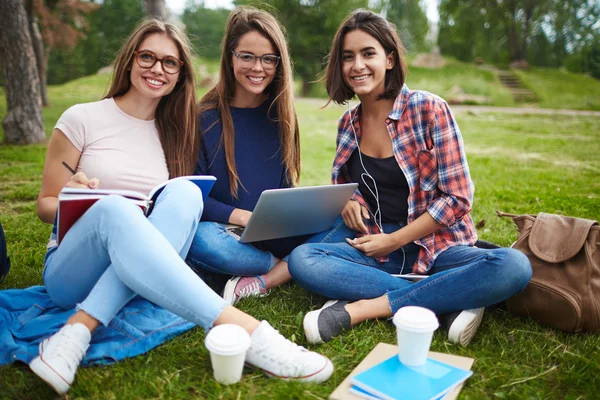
column 462, row 325
column 331, row 320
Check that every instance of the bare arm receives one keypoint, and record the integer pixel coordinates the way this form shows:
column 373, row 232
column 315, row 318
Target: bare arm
column 56, row 176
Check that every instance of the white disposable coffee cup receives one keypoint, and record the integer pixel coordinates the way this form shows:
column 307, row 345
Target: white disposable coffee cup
column 227, row 345
column 414, row 327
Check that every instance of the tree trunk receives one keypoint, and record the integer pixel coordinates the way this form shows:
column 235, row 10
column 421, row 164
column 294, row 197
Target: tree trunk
column 156, row 9
column 23, row 121
column 41, row 60
column 38, row 50
column 305, row 87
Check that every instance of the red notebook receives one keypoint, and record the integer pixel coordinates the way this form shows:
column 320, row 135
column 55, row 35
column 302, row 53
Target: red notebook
column 73, row 203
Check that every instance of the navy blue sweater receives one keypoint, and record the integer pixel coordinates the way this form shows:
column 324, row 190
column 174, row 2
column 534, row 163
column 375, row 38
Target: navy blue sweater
column 257, row 155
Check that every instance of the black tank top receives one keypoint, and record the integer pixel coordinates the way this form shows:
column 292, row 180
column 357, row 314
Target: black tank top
column 391, row 185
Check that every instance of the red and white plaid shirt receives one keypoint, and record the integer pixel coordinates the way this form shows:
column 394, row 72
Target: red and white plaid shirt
column 429, row 149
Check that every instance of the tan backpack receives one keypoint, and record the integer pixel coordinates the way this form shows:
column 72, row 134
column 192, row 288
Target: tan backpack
column 564, row 252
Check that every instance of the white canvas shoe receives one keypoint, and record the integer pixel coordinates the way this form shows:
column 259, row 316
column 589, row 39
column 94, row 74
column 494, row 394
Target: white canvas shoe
column 463, row 325
column 280, row 358
column 60, row 355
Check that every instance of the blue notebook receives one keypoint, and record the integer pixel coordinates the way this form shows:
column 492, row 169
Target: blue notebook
column 393, row 380
column 355, row 390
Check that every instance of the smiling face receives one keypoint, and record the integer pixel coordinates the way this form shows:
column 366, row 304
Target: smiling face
column 251, row 81
column 364, row 63
column 154, row 82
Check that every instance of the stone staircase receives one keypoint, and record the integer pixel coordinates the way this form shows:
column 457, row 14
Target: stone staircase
column 519, row 92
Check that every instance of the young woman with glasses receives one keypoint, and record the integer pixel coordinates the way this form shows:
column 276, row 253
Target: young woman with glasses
column 141, row 134
column 250, row 142
column 411, row 212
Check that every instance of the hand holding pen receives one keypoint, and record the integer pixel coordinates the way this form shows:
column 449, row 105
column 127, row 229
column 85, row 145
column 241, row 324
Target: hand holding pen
column 80, row 180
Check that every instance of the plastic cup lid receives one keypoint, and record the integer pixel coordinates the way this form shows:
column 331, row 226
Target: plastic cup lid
column 227, row 340
column 416, row 319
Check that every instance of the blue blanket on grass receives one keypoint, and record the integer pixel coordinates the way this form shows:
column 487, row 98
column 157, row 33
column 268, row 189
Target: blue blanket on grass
column 27, row 316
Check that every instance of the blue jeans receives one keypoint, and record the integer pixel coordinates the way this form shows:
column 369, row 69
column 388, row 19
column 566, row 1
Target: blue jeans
column 214, row 250
column 114, row 252
column 461, row 277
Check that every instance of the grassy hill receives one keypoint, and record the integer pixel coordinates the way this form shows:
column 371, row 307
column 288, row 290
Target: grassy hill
column 555, row 88
column 562, row 89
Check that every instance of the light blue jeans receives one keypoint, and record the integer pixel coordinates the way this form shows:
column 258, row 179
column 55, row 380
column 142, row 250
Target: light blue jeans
column 114, row 252
column 461, row 277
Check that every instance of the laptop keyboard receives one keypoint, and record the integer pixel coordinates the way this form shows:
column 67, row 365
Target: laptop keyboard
column 235, row 231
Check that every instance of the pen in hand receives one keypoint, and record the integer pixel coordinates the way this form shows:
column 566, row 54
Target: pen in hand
column 69, row 168
column 91, row 183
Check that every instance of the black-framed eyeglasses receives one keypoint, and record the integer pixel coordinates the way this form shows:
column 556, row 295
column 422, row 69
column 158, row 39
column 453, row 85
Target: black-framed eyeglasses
column 146, row 59
column 247, row 60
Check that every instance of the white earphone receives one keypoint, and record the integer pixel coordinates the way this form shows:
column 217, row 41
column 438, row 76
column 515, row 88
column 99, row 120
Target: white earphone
column 375, row 192
column 366, row 174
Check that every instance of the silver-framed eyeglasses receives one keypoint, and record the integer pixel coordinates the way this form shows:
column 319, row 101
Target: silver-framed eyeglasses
column 146, row 59
column 268, row 61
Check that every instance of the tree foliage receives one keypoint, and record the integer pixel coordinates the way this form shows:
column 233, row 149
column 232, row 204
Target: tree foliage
column 549, row 33
column 205, row 28
column 63, row 22
column 108, row 27
column 411, row 22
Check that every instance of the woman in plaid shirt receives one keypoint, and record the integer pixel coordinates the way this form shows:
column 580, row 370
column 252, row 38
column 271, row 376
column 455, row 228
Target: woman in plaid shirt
column 411, row 211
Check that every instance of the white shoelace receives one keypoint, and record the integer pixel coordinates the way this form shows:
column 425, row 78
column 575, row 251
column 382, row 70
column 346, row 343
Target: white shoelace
column 250, row 289
column 285, row 353
column 68, row 348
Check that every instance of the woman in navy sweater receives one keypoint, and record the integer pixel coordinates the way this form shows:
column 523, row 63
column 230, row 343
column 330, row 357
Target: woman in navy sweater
column 250, row 142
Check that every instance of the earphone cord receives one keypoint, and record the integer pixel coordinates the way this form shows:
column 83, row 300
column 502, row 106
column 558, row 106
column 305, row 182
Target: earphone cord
column 377, row 215
column 375, row 193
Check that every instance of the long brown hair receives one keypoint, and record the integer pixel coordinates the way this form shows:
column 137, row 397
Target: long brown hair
column 385, row 33
column 175, row 115
column 241, row 21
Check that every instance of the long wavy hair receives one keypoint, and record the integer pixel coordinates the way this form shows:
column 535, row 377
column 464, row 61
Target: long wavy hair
column 385, row 33
column 175, row 115
column 241, row 21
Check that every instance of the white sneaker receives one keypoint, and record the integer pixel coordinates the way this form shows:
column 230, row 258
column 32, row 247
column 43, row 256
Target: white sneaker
column 462, row 326
column 279, row 357
column 60, row 355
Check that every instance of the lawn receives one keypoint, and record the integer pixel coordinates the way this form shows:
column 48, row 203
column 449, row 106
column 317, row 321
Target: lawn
column 520, row 164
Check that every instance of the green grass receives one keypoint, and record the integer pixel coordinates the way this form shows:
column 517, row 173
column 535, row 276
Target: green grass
column 562, row 89
column 520, row 164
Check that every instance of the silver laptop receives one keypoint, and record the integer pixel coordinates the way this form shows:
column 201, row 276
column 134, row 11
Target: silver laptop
column 296, row 211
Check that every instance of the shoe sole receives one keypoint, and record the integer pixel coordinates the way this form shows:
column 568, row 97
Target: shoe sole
column 229, row 290
column 49, row 375
column 465, row 326
column 320, row 376
column 311, row 324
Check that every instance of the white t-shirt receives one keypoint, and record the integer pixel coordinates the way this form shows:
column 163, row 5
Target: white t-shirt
column 123, row 152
